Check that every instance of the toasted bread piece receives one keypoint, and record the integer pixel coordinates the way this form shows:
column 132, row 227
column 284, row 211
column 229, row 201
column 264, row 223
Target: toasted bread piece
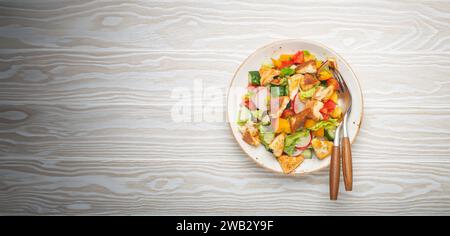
column 267, row 75
column 315, row 107
column 307, row 67
column 298, row 120
column 289, row 164
column 308, row 81
column 276, row 81
column 323, row 93
column 277, row 145
column 293, row 85
column 250, row 135
column 322, row 148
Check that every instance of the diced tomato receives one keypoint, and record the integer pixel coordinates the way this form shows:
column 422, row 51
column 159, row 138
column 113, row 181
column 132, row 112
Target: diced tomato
column 328, row 108
column 287, row 113
column 298, row 58
column 329, row 105
column 334, row 82
column 286, row 64
column 289, row 105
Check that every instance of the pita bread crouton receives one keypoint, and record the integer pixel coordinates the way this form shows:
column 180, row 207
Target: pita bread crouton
column 315, row 107
column 289, row 164
column 322, row 148
column 293, row 85
column 250, row 135
column 307, row 67
column 308, row 81
column 298, row 120
column 277, row 145
column 323, row 93
column 267, row 74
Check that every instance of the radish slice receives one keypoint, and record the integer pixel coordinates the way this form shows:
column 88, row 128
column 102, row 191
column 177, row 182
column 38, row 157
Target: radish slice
column 260, row 98
column 297, row 152
column 304, row 142
column 301, row 148
column 298, row 105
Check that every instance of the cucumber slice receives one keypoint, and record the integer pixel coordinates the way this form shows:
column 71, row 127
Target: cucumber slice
column 267, row 138
column 307, row 154
column 278, row 91
column 254, row 78
column 284, row 91
column 330, row 133
column 244, row 116
column 266, row 135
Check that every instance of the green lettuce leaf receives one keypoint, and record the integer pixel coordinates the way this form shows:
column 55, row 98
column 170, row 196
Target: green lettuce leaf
column 257, row 114
column 283, row 81
column 286, row 71
column 292, row 139
column 244, row 116
column 266, row 135
column 249, row 94
column 327, row 124
column 308, row 93
column 306, row 53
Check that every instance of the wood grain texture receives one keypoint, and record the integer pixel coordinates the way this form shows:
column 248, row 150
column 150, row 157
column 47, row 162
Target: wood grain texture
column 85, row 107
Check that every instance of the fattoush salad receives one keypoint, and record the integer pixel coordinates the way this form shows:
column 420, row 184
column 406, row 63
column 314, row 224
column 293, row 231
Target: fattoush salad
column 290, row 107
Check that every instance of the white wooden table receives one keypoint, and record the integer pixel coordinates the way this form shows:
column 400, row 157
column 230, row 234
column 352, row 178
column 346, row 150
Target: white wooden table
column 86, row 100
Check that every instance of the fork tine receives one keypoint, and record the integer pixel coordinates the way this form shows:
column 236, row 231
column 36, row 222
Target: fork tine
column 339, row 79
column 344, row 86
column 338, row 75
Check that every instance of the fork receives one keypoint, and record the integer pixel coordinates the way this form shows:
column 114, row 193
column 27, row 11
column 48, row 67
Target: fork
column 347, row 166
column 335, row 166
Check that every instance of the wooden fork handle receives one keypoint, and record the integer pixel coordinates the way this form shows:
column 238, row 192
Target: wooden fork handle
column 347, row 166
column 335, row 165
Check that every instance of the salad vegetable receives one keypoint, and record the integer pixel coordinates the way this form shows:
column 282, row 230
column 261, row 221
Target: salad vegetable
column 291, row 108
column 308, row 93
column 278, row 91
column 301, row 138
column 254, row 78
column 330, row 133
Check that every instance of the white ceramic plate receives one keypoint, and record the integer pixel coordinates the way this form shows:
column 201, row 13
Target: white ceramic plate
column 263, row 55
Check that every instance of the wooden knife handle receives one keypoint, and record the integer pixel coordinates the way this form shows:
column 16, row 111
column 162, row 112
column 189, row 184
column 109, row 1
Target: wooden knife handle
column 335, row 165
column 347, row 166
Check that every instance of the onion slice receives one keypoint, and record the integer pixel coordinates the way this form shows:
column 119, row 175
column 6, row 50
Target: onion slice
column 260, row 98
column 298, row 105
